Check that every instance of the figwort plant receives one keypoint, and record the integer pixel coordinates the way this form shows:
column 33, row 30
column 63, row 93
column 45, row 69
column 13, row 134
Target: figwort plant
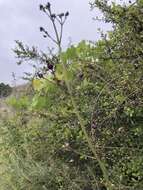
column 55, row 19
column 60, row 19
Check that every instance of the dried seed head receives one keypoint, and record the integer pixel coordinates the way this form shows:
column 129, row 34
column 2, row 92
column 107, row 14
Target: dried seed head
column 53, row 16
column 61, row 15
column 48, row 6
column 41, row 7
column 41, row 29
column 66, row 14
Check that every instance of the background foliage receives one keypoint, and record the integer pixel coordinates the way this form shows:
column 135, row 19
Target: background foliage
column 5, row 90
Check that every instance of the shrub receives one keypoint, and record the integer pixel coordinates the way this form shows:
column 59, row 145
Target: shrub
column 5, row 90
column 83, row 127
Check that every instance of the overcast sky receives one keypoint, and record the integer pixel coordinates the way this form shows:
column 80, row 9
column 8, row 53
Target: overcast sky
column 20, row 20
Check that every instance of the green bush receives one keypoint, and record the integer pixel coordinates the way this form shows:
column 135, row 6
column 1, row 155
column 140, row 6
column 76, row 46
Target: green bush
column 94, row 95
column 5, row 90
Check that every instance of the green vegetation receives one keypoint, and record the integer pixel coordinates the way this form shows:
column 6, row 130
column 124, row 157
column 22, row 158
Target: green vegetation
column 81, row 126
column 5, row 90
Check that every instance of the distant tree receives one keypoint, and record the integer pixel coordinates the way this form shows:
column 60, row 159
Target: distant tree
column 5, row 90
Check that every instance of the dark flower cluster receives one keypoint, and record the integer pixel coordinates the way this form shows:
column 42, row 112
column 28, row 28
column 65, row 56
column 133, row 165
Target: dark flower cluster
column 55, row 18
column 47, row 9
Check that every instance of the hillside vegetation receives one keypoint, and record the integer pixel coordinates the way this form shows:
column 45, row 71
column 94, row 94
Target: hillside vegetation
column 5, row 90
column 80, row 125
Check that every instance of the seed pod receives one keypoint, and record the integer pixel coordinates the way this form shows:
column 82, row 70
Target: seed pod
column 44, row 36
column 66, row 14
column 50, row 66
column 61, row 15
column 48, row 6
column 41, row 7
column 41, row 29
column 53, row 16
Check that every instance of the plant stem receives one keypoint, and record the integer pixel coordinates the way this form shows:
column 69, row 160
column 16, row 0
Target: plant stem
column 81, row 121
